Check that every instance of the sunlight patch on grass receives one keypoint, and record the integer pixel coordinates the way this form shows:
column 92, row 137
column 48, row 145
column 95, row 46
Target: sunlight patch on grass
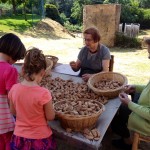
column 135, row 65
column 4, row 28
column 17, row 23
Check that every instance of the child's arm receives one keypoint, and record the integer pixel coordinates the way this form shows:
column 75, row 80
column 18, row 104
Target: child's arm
column 12, row 108
column 49, row 111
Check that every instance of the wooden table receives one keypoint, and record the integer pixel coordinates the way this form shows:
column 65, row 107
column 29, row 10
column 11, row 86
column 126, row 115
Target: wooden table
column 76, row 139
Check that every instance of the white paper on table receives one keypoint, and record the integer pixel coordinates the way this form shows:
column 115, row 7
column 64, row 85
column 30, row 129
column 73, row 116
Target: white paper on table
column 65, row 69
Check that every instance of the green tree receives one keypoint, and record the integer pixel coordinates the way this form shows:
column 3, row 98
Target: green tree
column 65, row 6
column 14, row 4
column 144, row 3
column 120, row 1
column 51, row 2
column 52, row 12
column 97, row 1
column 77, row 9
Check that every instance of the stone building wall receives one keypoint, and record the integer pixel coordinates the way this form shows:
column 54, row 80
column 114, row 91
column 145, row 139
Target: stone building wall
column 106, row 18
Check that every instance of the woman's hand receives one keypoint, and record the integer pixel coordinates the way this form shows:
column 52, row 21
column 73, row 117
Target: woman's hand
column 75, row 65
column 85, row 77
column 124, row 98
column 129, row 89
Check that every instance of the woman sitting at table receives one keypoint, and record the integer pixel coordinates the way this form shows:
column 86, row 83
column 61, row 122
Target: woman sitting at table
column 94, row 57
column 133, row 115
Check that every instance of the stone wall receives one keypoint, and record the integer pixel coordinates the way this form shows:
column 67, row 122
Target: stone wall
column 106, row 18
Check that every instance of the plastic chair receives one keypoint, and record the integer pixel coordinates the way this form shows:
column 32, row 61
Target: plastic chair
column 137, row 138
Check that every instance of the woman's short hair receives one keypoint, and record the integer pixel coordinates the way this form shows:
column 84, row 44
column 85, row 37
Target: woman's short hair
column 34, row 62
column 94, row 32
column 11, row 45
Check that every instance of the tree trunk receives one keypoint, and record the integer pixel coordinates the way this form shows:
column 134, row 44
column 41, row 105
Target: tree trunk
column 24, row 7
column 14, row 7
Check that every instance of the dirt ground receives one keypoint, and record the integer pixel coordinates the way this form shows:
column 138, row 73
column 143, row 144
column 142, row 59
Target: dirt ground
column 66, row 49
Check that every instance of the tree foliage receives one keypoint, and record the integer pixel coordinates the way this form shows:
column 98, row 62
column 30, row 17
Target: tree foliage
column 72, row 10
column 77, row 9
column 144, row 3
column 52, row 12
column 65, row 7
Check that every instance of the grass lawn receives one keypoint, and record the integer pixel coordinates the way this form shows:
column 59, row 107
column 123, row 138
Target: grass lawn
column 17, row 23
column 133, row 63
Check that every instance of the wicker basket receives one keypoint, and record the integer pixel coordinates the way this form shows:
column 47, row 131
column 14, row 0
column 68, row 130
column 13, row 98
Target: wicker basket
column 78, row 122
column 49, row 64
column 53, row 58
column 111, row 93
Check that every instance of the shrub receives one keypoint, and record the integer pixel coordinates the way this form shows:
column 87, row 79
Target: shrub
column 52, row 12
column 145, row 22
column 63, row 18
column 131, row 14
column 73, row 28
column 127, row 42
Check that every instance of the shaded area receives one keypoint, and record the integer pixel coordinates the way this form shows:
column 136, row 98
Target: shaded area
column 124, row 50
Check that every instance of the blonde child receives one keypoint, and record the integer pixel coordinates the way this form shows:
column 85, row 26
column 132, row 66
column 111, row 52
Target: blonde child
column 11, row 50
column 32, row 106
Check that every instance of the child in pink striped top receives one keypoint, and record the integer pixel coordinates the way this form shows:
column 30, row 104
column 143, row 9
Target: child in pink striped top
column 11, row 50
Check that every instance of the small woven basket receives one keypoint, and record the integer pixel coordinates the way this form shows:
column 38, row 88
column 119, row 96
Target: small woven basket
column 78, row 122
column 53, row 58
column 110, row 93
column 49, row 64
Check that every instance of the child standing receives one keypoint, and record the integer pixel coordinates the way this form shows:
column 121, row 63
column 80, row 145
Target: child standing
column 32, row 106
column 11, row 50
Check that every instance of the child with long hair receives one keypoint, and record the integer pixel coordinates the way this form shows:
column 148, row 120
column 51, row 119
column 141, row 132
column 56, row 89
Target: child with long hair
column 32, row 105
column 11, row 50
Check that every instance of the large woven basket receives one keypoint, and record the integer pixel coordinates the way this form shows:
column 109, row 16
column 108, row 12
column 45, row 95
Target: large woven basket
column 110, row 93
column 78, row 122
column 53, row 58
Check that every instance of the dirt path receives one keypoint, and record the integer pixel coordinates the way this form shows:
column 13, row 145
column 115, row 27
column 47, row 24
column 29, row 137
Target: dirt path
column 65, row 49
